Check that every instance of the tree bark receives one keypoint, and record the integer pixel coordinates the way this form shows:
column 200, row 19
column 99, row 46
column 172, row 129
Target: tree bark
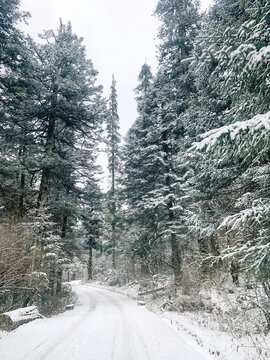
column 113, row 224
column 175, row 250
column 235, row 269
column 59, row 281
column 22, row 181
column 46, row 172
column 176, row 258
column 45, row 179
column 64, row 227
column 90, row 263
column 113, row 246
column 59, row 272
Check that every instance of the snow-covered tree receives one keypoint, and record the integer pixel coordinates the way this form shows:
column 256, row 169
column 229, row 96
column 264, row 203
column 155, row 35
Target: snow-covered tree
column 180, row 23
column 247, row 142
column 114, row 140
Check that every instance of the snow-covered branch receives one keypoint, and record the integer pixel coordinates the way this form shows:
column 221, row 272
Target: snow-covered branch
column 257, row 127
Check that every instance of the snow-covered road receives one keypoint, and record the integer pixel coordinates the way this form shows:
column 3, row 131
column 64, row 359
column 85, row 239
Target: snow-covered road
column 103, row 325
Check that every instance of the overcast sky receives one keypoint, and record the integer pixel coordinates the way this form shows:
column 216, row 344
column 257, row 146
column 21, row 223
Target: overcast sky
column 119, row 35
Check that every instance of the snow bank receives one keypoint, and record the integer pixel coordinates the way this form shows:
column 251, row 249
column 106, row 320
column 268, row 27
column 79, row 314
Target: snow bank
column 198, row 330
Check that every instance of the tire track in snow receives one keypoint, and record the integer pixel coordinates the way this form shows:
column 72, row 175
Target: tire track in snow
column 103, row 326
column 56, row 341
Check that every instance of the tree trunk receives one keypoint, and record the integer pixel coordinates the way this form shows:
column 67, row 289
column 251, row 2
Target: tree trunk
column 59, row 272
column 235, row 269
column 46, row 172
column 22, row 180
column 52, row 281
column 113, row 245
column 214, row 246
column 90, row 263
column 205, row 266
column 59, row 281
column 175, row 250
column 21, row 200
column 176, row 259
column 144, row 263
column 144, row 269
column 113, row 225
column 43, row 194
column 64, row 227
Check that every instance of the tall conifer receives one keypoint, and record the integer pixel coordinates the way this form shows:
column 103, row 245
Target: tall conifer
column 114, row 140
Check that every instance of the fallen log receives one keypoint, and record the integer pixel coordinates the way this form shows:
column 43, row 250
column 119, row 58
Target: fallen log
column 151, row 291
column 141, row 303
column 12, row 319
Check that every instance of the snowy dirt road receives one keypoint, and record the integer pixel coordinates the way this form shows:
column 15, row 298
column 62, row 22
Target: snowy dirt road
column 103, row 326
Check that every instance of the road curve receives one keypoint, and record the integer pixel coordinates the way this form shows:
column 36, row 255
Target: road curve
column 103, row 326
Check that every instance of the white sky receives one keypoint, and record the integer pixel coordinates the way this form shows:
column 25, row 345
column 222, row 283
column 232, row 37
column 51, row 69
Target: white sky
column 119, row 35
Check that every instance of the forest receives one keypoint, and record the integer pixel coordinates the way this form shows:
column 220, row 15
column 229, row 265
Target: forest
column 188, row 200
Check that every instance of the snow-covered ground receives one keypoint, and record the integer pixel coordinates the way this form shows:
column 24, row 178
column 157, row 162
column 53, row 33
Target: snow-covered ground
column 103, row 325
column 212, row 333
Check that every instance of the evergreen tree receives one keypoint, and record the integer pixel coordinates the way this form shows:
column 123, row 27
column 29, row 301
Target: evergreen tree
column 66, row 117
column 16, row 107
column 92, row 220
column 11, row 38
column 180, row 21
column 145, row 79
column 70, row 99
column 229, row 67
column 114, row 163
column 140, row 167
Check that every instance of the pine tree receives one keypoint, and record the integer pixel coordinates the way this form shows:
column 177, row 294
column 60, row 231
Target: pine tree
column 145, row 79
column 68, row 116
column 114, row 163
column 71, row 97
column 11, row 38
column 16, row 106
column 92, row 220
column 180, row 22
column 140, row 167
column 230, row 64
